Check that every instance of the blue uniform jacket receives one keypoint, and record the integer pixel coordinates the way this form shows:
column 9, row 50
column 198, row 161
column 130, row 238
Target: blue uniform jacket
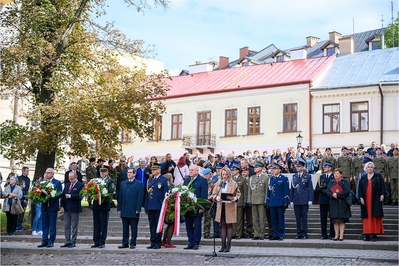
column 105, row 203
column 156, row 190
column 130, row 198
column 321, row 187
column 53, row 205
column 200, row 184
column 278, row 191
column 72, row 204
column 142, row 175
column 302, row 189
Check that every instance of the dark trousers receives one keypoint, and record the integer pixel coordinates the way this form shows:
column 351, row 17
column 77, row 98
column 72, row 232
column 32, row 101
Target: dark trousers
column 20, row 219
column 129, row 223
column 49, row 226
column 11, row 222
column 193, row 227
column 249, row 227
column 100, row 226
column 269, row 222
column 324, row 209
column 301, row 216
column 71, row 221
column 278, row 221
column 153, row 217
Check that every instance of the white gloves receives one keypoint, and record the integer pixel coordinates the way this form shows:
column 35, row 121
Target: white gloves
column 292, row 205
column 310, row 203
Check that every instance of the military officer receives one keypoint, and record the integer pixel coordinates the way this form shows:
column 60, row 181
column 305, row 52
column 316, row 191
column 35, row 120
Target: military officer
column 357, row 166
column 157, row 186
column 302, row 196
column 242, row 185
column 329, row 158
column 324, row 201
column 257, row 200
column 345, row 163
column 392, row 167
column 380, row 165
column 277, row 200
column 207, row 173
column 247, row 210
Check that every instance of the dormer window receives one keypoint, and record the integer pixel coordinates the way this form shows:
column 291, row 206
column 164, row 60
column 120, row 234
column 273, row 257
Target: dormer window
column 330, row 51
column 375, row 45
column 280, row 58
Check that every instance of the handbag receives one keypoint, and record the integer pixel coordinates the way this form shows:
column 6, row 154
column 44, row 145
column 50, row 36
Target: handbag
column 16, row 207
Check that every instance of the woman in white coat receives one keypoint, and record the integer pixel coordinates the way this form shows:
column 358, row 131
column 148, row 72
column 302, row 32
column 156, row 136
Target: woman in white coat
column 11, row 192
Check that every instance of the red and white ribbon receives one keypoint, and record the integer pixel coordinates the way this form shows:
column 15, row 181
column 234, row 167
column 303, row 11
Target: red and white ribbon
column 176, row 230
column 162, row 215
column 99, row 194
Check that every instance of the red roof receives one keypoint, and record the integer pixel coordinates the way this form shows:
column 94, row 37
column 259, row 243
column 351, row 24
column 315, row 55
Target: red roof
column 240, row 78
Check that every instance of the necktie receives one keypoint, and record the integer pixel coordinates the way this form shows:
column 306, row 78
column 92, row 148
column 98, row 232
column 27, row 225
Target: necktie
column 70, row 188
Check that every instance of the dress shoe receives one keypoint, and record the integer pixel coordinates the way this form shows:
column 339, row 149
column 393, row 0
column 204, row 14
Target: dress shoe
column 340, row 239
column 261, row 238
column 195, row 247
column 335, row 239
column 366, row 238
column 227, row 249
column 189, row 246
column 72, row 245
column 216, row 237
column 332, row 238
column 132, row 247
column 304, row 237
column 268, row 237
column 50, row 245
column 156, row 247
column 247, row 237
column 42, row 245
column 169, row 245
column 101, row 246
column 237, row 237
column 95, row 246
column 281, row 238
column 151, row 247
column 221, row 249
column 374, row 238
column 274, row 238
column 323, row 237
column 298, row 237
column 207, row 237
column 65, row 245
column 123, row 246
column 255, row 238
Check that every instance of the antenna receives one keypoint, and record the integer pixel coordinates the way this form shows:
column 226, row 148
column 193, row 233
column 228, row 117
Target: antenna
column 393, row 35
column 382, row 21
column 353, row 26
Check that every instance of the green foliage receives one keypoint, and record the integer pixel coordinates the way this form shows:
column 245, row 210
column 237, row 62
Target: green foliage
column 392, row 31
column 65, row 65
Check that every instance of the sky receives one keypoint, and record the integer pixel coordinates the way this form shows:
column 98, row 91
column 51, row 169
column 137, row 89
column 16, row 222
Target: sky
column 202, row 30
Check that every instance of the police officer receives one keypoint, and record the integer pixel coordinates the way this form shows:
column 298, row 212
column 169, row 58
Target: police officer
column 257, row 200
column 329, row 158
column 157, row 186
column 324, row 201
column 277, row 200
column 302, row 196
column 242, row 185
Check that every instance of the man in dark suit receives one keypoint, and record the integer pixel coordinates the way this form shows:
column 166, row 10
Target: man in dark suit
column 194, row 219
column 168, row 166
column 157, row 186
column 71, row 207
column 74, row 169
column 101, row 212
column 49, row 213
column 130, row 200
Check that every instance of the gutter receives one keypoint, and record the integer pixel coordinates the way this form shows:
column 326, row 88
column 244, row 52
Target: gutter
column 381, row 115
column 310, row 118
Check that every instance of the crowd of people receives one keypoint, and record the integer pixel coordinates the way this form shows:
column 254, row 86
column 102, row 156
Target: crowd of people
column 250, row 192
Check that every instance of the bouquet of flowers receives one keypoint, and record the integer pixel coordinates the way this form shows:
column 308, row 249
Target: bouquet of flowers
column 43, row 191
column 97, row 189
column 210, row 191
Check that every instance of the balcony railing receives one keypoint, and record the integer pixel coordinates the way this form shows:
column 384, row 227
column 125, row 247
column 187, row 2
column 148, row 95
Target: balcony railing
column 199, row 140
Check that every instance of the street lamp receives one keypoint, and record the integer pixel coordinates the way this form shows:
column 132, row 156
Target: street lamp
column 299, row 139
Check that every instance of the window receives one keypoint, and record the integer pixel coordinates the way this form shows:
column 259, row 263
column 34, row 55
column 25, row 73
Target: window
column 331, row 118
column 359, row 116
column 230, row 126
column 290, row 117
column 126, row 135
column 280, row 58
column 157, row 124
column 177, row 121
column 375, row 45
column 253, row 120
column 330, row 51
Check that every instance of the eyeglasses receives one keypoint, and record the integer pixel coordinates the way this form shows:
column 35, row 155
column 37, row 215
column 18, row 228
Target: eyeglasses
column 122, row 161
column 130, row 172
column 49, row 173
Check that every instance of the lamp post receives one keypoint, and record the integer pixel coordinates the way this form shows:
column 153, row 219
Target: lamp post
column 299, row 139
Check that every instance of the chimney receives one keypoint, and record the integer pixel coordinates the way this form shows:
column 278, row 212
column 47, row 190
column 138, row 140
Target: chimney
column 243, row 51
column 223, row 62
column 334, row 36
column 299, row 54
column 311, row 40
column 346, row 45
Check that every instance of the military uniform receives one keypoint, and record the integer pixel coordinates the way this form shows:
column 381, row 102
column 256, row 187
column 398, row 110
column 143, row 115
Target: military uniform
column 257, row 198
column 392, row 167
column 331, row 159
column 380, row 165
column 247, row 214
column 207, row 213
column 345, row 163
column 242, row 185
column 324, row 204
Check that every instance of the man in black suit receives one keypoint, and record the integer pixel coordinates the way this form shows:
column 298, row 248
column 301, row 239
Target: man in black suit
column 101, row 212
column 71, row 207
column 194, row 219
column 130, row 200
column 74, row 169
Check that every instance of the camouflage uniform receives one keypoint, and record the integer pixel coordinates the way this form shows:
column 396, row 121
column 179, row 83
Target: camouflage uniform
column 392, row 167
column 242, row 185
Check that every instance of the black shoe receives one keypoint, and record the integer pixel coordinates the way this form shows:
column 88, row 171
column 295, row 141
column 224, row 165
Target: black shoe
column 216, row 237
column 101, row 246
column 227, row 250
column 247, row 237
column 123, row 246
column 298, row 237
column 340, row 239
column 255, row 238
column 72, row 245
column 304, row 237
column 323, row 237
column 207, row 237
column 50, row 245
column 366, row 238
column 335, row 239
column 281, row 239
column 151, row 247
column 189, row 246
column 221, row 249
column 195, row 247
column 66, row 245
column 261, row 238
column 332, row 238
column 274, row 238
column 95, row 246
column 42, row 245
column 156, row 247
column 268, row 237
column 374, row 238
column 237, row 237
column 132, row 247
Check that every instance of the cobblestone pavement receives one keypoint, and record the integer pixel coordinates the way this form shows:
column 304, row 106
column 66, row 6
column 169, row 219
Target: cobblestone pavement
column 171, row 259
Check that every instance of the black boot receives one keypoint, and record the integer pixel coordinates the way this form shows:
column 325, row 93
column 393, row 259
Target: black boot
column 374, row 238
column 366, row 238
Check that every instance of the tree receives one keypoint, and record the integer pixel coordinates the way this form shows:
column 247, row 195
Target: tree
column 391, row 34
column 65, row 64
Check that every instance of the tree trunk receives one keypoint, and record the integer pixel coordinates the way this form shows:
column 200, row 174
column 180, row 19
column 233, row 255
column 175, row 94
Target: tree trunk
column 44, row 161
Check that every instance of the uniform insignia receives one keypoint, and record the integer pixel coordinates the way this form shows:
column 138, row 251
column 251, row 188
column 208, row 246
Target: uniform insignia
column 159, row 185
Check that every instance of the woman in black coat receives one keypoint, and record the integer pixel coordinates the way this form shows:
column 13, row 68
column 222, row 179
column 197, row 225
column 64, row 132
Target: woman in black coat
column 338, row 190
column 371, row 195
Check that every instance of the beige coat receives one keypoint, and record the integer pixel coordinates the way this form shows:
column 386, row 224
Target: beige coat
column 230, row 208
column 7, row 190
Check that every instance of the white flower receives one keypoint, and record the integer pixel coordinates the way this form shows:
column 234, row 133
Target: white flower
column 52, row 193
column 50, row 185
column 176, row 189
column 104, row 191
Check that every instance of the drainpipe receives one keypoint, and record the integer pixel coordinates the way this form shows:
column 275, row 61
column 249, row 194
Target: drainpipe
column 310, row 117
column 381, row 116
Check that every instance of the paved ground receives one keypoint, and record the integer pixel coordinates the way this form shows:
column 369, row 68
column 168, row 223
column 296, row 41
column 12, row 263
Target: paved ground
column 22, row 253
